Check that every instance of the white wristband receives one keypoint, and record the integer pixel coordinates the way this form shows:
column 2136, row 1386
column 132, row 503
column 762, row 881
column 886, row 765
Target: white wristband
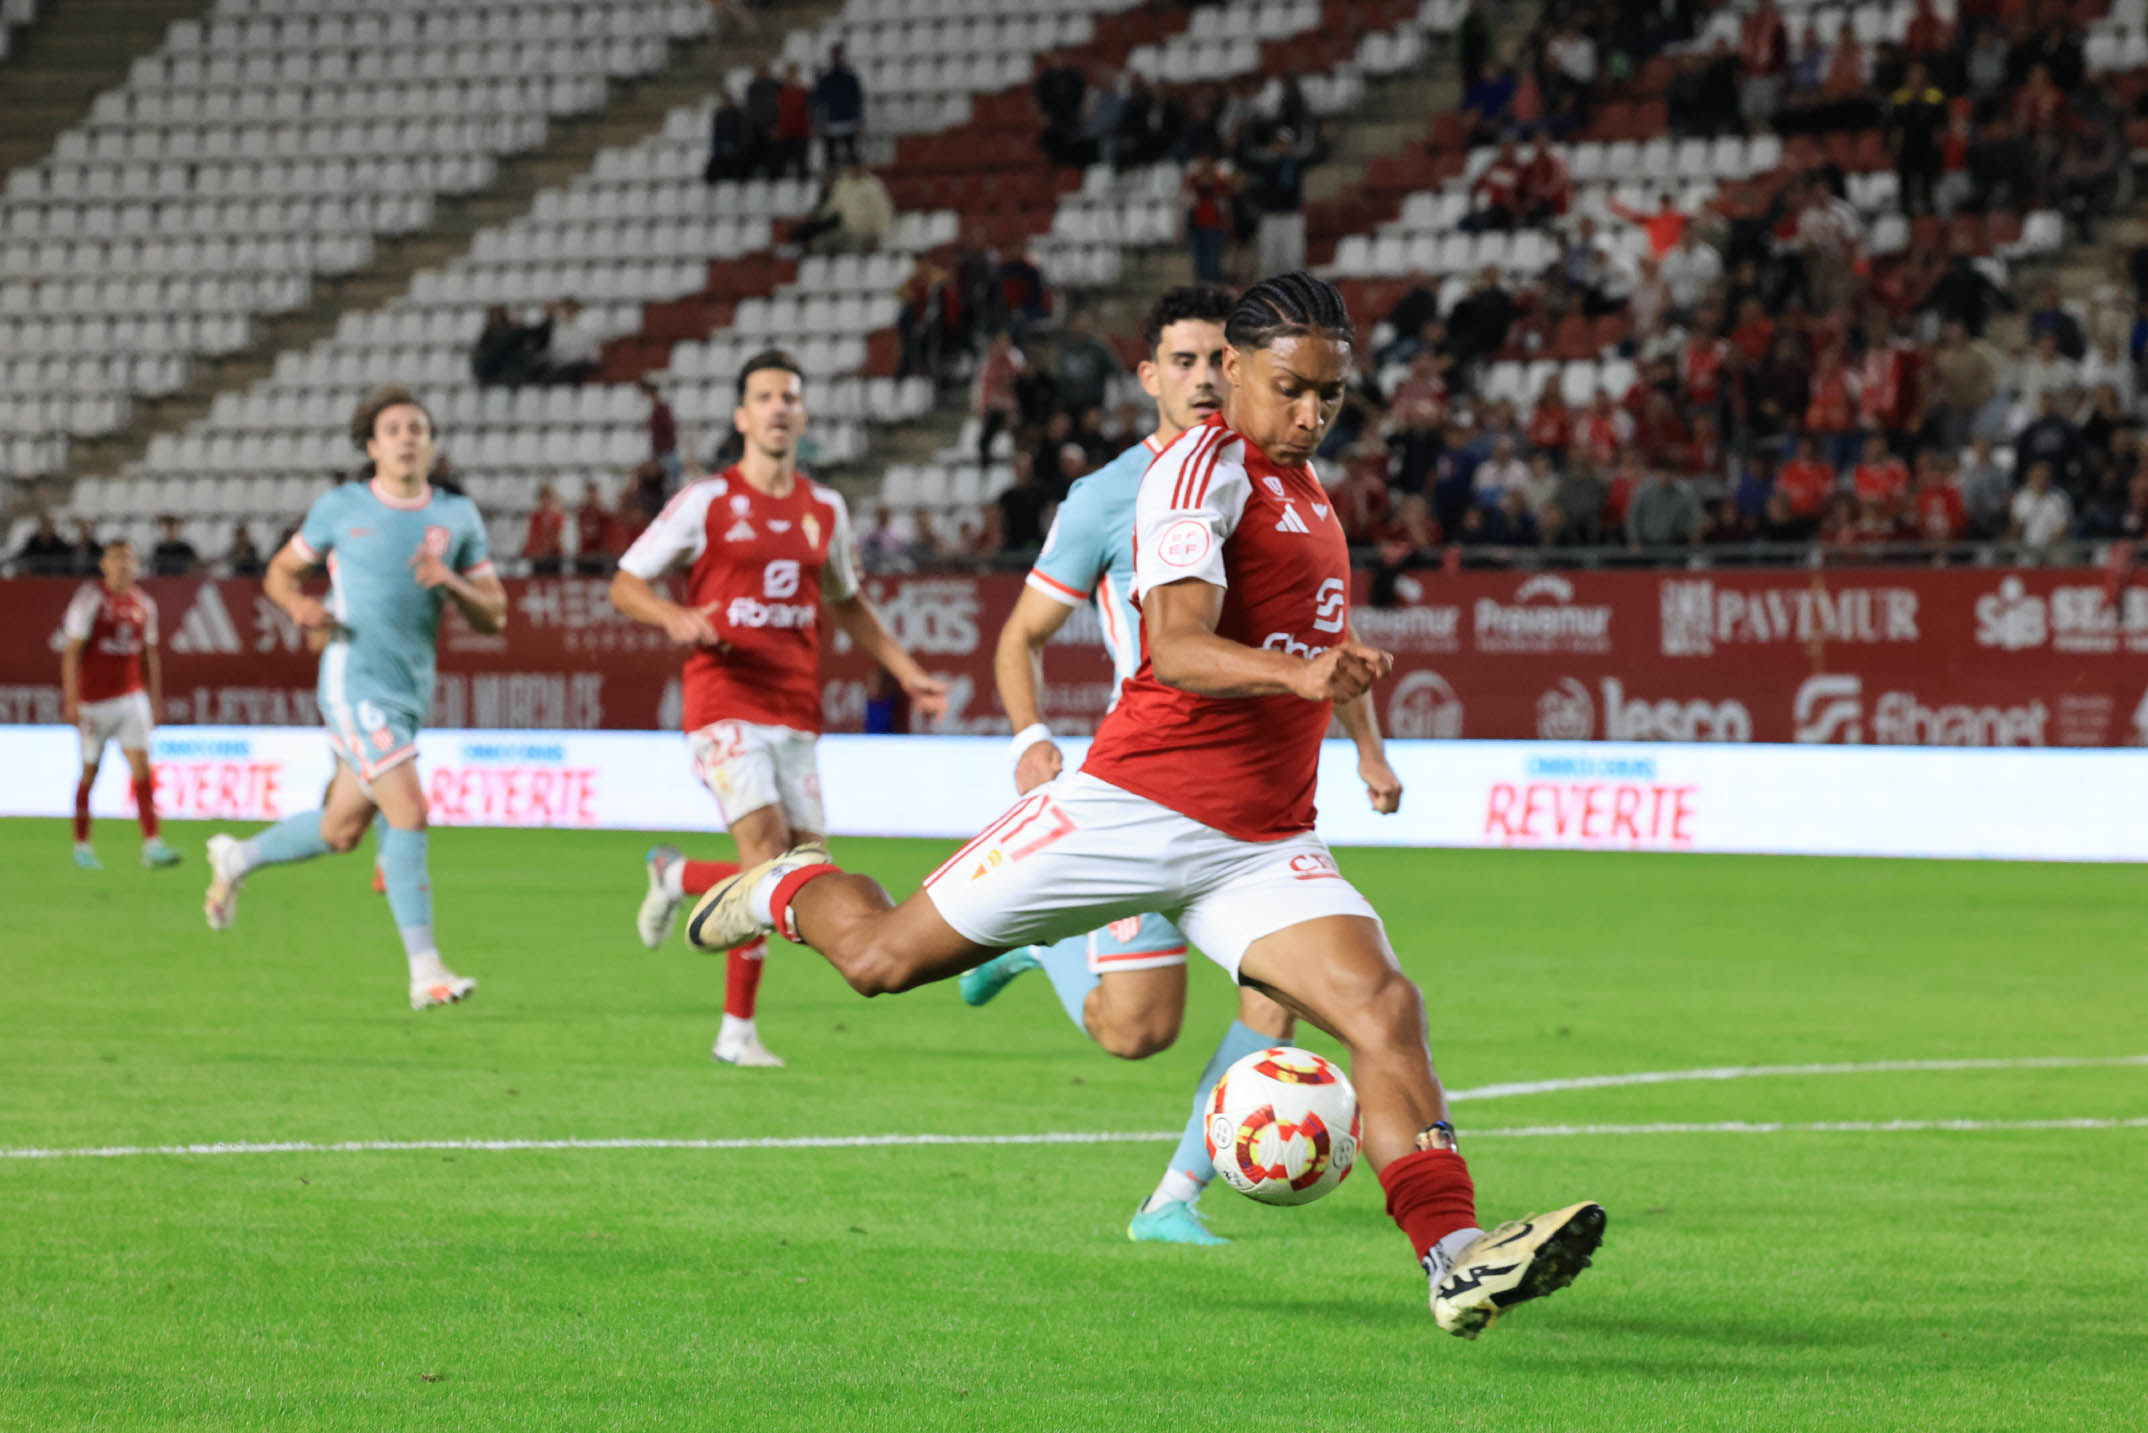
column 1026, row 738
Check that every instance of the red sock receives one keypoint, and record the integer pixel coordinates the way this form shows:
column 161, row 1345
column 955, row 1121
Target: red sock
column 1429, row 1195
column 742, row 978
column 145, row 806
column 82, row 810
column 700, row 876
column 779, row 900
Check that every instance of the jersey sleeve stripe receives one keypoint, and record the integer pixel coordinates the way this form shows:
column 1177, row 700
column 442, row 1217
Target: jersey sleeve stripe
column 1053, row 588
column 481, row 569
column 1178, row 483
column 1208, row 471
column 304, row 549
column 1182, row 490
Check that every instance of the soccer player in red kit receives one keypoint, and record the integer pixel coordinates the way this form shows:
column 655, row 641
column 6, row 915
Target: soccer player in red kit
column 1196, row 801
column 111, row 686
column 767, row 549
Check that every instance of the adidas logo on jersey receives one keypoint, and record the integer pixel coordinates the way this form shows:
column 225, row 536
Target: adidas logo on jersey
column 1290, row 521
column 207, row 627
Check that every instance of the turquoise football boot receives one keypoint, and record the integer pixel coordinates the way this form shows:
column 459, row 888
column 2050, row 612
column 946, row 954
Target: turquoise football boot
column 979, row 986
column 1171, row 1223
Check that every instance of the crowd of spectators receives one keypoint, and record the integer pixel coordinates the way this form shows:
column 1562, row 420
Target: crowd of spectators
column 48, row 552
column 1788, row 385
column 767, row 131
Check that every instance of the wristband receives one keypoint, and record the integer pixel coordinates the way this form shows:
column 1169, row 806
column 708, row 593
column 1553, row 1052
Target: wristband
column 1026, row 738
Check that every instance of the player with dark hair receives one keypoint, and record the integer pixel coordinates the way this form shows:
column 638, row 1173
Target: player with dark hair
column 1196, row 800
column 397, row 550
column 1125, row 984
column 111, row 688
column 766, row 549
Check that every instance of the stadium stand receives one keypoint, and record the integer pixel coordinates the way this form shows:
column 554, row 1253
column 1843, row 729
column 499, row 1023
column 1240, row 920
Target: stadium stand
column 682, row 277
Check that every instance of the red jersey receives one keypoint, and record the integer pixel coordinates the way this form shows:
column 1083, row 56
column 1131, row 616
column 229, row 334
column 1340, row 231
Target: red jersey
column 1499, row 186
column 760, row 567
column 1938, row 513
column 1834, row 402
column 113, row 628
column 1703, row 359
column 1808, row 483
column 1885, row 482
column 1545, row 183
column 546, row 529
column 1551, row 427
column 1601, row 434
column 1214, row 508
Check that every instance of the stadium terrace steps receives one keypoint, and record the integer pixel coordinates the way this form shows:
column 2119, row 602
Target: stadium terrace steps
column 1007, row 199
column 638, row 108
column 74, row 52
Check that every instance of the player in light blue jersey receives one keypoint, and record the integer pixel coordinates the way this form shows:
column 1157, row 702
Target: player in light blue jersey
column 397, row 549
column 1125, row 985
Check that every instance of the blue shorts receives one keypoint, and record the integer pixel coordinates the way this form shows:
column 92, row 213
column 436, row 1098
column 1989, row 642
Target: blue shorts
column 1136, row 943
column 370, row 737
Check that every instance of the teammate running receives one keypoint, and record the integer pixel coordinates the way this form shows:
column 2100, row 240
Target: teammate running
column 396, row 549
column 767, row 548
column 1196, row 800
column 1125, row 985
column 111, row 688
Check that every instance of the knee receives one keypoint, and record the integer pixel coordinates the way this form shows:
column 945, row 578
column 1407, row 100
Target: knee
column 341, row 836
column 879, row 971
column 1140, row 1035
column 1388, row 1013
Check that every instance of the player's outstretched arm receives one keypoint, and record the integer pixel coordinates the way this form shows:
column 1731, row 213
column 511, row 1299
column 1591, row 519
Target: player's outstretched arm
column 861, row 622
column 1179, row 619
column 636, row 598
column 71, row 681
column 153, row 678
column 1362, row 722
column 1018, row 670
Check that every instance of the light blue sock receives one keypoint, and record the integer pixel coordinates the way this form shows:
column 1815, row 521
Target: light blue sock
column 1190, row 1168
column 1067, row 964
column 296, row 837
column 410, row 889
column 380, row 836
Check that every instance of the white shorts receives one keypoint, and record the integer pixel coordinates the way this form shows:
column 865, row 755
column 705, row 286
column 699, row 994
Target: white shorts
column 125, row 720
column 747, row 766
column 1078, row 853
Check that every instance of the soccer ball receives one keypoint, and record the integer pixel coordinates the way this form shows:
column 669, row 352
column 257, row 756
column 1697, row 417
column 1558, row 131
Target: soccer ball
column 1283, row 1126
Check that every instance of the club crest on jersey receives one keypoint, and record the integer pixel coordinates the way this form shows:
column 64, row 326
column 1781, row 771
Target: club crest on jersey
column 740, row 504
column 437, row 539
column 810, row 526
column 1125, row 929
column 1275, row 484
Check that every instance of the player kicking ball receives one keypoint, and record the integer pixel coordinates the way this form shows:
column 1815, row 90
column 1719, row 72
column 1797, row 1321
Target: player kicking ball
column 766, row 550
column 397, row 549
column 111, row 688
column 1196, row 801
column 1125, row 984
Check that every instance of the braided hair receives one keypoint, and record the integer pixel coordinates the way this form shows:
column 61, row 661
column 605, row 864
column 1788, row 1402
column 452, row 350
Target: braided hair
column 1288, row 306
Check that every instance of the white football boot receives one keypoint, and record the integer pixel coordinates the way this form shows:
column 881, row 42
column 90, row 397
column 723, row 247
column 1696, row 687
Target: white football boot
column 445, row 988
column 1520, row 1260
column 724, row 917
column 746, row 1050
column 221, row 902
column 659, row 908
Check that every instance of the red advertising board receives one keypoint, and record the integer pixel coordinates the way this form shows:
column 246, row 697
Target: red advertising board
column 1969, row 656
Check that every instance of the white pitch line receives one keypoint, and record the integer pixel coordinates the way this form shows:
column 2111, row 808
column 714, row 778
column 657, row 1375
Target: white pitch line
column 1482, row 1092
column 1755, row 1072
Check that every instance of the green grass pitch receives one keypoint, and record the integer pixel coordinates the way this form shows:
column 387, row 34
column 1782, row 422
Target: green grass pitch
column 1926, row 1280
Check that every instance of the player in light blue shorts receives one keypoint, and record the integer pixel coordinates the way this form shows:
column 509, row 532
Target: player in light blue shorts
column 396, row 549
column 1125, row 985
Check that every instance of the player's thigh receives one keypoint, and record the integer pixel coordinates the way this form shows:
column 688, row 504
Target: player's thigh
column 1265, row 1015
column 1339, row 972
column 400, row 796
column 762, row 834
column 1073, row 855
column 133, row 724
column 797, row 756
column 737, row 763
column 97, row 723
column 1140, row 965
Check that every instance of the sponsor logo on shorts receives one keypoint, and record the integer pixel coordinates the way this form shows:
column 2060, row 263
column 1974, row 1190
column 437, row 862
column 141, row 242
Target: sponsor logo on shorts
column 1314, row 866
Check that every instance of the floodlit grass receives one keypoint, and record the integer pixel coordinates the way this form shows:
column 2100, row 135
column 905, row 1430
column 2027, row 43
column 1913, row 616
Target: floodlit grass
column 1906, row 1280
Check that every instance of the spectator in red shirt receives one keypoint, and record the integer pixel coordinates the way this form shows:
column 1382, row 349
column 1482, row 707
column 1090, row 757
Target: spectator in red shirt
column 1546, row 188
column 1806, row 482
column 1551, row 425
column 794, row 125
column 594, row 529
column 1881, row 482
column 1935, row 506
column 1665, row 227
column 1495, row 199
column 1362, row 500
column 1928, row 35
column 1604, row 429
column 1755, row 333
column 1831, row 414
column 1206, row 193
column 542, row 544
column 1763, row 60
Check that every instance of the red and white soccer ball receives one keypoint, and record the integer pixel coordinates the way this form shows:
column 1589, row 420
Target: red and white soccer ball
column 1283, row 1126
